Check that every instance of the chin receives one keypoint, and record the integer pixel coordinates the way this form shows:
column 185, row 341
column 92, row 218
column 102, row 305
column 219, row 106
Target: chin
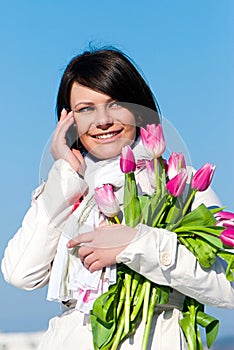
column 105, row 155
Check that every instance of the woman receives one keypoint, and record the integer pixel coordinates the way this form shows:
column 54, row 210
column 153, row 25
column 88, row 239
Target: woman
column 65, row 241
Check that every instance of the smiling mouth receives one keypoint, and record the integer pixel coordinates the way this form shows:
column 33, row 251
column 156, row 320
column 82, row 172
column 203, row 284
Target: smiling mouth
column 107, row 135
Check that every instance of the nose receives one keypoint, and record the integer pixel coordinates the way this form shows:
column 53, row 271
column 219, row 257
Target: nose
column 103, row 118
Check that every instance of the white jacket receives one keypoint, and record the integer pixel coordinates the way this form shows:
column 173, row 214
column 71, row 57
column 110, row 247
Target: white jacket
column 30, row 253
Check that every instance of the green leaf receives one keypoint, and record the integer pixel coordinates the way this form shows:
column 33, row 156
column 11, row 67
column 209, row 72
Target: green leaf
column 102, row 332
column 189, row 323
column 103, row 316
column 194, row 313
column 189, row 332
column 207, row 234
column 211, row 325
column 229, row 258
column 163, row 293
column 216, row 210
column 210, row 230
column 158, row 210
column 203, row 251
column 175, row 212
column 201, row 216
column 132, row 209
column 144, row 206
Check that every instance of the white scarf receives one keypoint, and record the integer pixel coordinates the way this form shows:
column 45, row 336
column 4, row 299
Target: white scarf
column 69, row 278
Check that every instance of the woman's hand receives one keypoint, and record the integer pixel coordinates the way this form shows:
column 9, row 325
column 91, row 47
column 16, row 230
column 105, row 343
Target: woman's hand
column 99, row 248
column 59, row 148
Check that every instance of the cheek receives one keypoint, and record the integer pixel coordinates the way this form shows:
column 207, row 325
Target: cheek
column 82, row 128
column 131, row 132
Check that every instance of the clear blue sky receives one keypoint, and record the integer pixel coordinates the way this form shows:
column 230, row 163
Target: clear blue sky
column 184, row 48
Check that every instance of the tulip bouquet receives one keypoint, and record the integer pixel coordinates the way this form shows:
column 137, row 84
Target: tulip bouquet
column 207, row 233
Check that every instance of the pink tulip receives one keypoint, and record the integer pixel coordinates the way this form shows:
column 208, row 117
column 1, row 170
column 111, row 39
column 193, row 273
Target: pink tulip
column 202, row 178
column 127, row 160
column 153, row 139
column 106, row 200
column 225, row 218
column 227, row 237
column 176, row 162
column 227, row 223
column 224, row 215
column 177, row 184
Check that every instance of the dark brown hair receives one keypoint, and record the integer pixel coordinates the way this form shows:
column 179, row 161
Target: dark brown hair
column 109, row 71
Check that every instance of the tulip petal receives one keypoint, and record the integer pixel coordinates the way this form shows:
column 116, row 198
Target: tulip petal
column 127, row 160
column 106, row 200
column 153, row 139
column 176, row 162
column 224, row 215
column 177, row 184
column 202, row 178
column 227, row 237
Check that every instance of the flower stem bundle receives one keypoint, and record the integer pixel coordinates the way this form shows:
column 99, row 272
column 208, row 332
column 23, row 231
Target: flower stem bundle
column 206, row 233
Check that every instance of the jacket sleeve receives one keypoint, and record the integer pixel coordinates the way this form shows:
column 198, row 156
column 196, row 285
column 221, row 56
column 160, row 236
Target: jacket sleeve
column 156, row 254
column 29, row 254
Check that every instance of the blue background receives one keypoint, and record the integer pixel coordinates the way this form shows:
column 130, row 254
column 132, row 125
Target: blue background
column 183, row 48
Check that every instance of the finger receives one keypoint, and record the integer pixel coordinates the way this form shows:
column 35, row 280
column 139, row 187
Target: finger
column 89, row 260
column 61, row 130
column 59, row 137
column 95, row 266
column 63, row 125
column 82, row 238
column 78, row 155
column 82, row 165
column 63, row 114
column 84, row 252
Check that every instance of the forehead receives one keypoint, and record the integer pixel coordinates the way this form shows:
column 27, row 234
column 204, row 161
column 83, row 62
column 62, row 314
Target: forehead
column 81, row 93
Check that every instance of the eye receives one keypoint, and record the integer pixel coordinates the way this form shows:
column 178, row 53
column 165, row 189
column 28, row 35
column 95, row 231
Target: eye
column 115, row 104
column 84, row 109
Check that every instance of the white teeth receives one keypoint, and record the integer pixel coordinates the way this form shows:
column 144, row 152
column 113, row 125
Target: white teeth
column 106, row 136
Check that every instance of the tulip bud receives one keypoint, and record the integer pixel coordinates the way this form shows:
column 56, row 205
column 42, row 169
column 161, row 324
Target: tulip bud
column 227, row 237
column 177, row 185
column 127, row 160
column 153, row 139
column 202, row 178
column 106, row 200
column 176, row 162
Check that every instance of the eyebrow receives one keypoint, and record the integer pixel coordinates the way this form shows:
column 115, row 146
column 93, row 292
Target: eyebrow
column 91, row 103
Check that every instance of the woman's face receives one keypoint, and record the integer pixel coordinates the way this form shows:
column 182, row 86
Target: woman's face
column 104, row 126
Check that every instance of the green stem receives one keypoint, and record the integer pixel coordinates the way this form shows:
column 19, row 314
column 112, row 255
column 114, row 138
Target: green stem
column 127, row 304
column 163, row 176
column 199, row 340
column 192, row 310
column 138, row 300
column 137, row 278
column 119, row 333
column 161, row 212
column 121, row 300
column 157, row 178
column 153, row 302
column 188, row 203
column 146, row 300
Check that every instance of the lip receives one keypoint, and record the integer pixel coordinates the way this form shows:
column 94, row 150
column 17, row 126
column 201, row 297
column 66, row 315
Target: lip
column 116, row 134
